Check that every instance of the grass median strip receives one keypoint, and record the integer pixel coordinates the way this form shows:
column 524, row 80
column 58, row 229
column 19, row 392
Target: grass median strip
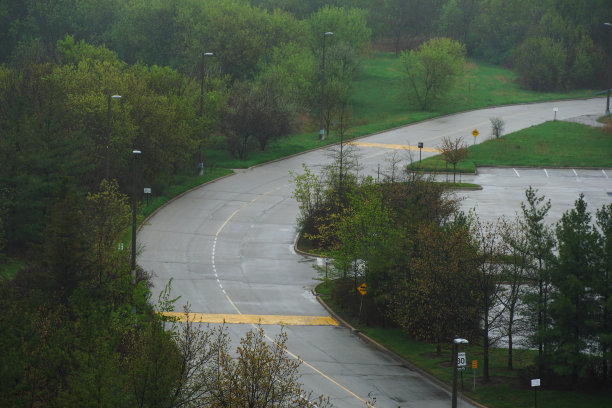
column 284, row 320
column 394, row 146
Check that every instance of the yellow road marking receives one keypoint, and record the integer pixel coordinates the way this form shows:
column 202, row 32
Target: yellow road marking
column 394, row 146
column 270, row 319
column 254, row 319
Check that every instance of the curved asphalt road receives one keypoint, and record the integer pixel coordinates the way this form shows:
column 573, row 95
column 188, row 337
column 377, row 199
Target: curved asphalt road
column 229, row 247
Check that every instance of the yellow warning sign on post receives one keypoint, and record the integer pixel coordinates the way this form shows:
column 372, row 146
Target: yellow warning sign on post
column 474, row 364
column 475, row 133
column 363, row 289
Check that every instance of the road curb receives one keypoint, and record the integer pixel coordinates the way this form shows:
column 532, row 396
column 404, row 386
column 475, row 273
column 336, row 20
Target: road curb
column 391, row 353
column 148, row 217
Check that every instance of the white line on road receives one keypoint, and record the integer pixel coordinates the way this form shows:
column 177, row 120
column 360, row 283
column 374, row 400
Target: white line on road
column 517, row 173
column 239, row 312
column 546, row 173
column 602, row 170
column 575, row 174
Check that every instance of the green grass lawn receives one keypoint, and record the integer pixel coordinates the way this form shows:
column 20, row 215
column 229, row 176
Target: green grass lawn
column 379, row 103
column 506, row 389
column 554, row 144
column 551, row 144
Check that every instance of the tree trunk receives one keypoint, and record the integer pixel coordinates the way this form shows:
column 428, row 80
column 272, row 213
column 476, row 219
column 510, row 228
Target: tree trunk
column 485, row 350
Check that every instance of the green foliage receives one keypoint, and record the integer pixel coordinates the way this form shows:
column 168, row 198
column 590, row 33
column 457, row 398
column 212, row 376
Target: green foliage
column 349, row 26
column 501, row 25
column 574, row 308
column 556, row 55
column 71, row 52
column 436, row 300
column 457, row 20
column 603, row 283
column 241, row 36
column 539, row 245
column 433, row 69
column 109, row 215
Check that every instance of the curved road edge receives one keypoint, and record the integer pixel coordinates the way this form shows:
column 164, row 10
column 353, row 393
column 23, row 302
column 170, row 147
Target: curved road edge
column 390, row 352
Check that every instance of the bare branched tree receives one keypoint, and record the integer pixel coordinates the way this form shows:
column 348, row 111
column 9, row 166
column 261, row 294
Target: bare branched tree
column 515, row 271
column 489, row 251
column 392, row 169
column 453, row 151
column 497, row 127
column 261, row 374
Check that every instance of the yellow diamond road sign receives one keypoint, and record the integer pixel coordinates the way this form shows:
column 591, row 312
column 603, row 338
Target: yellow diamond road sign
column 475, row 132
column 363, row 289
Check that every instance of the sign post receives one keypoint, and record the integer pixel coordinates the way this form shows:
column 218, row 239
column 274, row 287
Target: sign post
column 461, row 365
column 455, row 364
column 420, row 149
column 147, row 191
column 555, row 109
column 474, row 367
column 534, row 384
column 475, row 134
column 363, row 289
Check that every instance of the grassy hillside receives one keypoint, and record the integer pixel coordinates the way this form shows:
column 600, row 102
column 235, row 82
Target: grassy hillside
column 379, row 102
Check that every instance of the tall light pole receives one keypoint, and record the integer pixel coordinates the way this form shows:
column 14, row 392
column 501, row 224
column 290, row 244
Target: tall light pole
column 321, row 128
column 201, row 111
column 456, row 343
column 133, row 260
column 609, row 67
column 108, row 118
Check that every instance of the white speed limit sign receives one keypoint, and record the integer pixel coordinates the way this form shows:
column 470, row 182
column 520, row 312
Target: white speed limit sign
column 461, row 359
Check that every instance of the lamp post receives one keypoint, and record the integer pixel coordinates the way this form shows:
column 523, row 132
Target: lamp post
column 133, row 259
column 456, row 343
column 321, row 128
column 201, row 111
column 609, row 67
column 108, row 118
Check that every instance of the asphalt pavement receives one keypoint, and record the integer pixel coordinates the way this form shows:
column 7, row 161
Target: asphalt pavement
column 228, row 246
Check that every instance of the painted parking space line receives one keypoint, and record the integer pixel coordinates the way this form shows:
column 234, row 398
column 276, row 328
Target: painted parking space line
column 517, row 173
column 604, row 173
column 575, row 174
column 231, row 318
column 546, row 173
column 394, row 146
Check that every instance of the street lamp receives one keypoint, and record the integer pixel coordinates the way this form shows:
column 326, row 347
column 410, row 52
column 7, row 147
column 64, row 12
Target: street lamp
column 609, row 25
column 201, row 111
column 133, row 260
column 456, row 343
column 108, row 118
column 321, row 128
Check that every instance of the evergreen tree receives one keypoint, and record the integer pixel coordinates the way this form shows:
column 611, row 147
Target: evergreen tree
column 539, row 247
column 603, row 286
column 573, row 306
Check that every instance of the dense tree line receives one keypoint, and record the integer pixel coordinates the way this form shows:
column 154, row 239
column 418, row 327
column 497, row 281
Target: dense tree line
column 80, row 103
column 62, row 60
column 439, row 273
column 568, row 35
column 79, row 329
